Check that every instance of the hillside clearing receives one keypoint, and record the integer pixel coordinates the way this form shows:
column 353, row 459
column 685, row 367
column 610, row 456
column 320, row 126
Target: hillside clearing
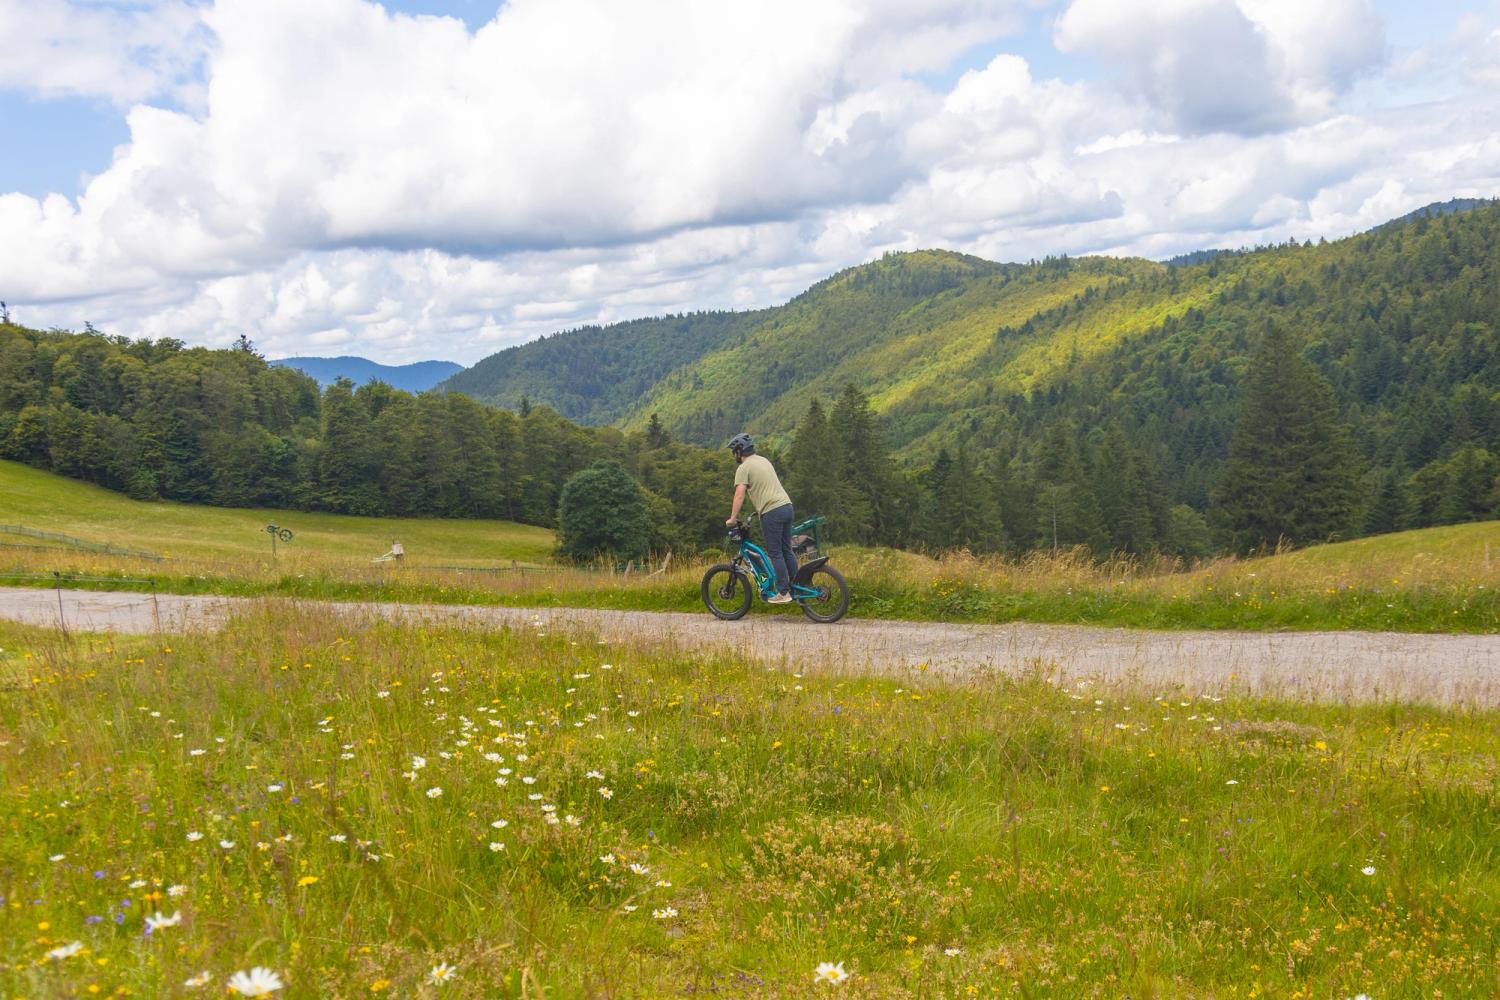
column 187, row 533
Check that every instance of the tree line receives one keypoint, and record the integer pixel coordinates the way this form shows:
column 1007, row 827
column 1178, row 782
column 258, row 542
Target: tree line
column 1289, row 473
column 159, row 420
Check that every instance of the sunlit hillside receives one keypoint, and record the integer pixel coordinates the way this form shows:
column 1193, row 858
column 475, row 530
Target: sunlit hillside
column 184, row 532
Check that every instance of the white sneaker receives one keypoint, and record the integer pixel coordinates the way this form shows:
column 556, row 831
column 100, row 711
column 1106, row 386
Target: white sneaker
column 780, row 599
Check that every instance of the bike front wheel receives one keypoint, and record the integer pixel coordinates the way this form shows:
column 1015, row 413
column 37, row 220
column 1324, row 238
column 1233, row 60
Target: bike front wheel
column 832, row 599
column 727, row 592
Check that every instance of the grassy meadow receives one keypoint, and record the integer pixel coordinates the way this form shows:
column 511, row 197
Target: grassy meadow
column 232, row 542
column 440, row 812
column 1433, row 580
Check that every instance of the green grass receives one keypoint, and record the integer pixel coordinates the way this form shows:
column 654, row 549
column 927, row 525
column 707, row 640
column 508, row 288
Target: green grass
column 1362, row 585
column 1432, row 580
column 1061, row 843
column 185, row 532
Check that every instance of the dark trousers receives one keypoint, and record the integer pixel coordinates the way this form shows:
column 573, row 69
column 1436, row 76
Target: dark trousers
column 777, row 524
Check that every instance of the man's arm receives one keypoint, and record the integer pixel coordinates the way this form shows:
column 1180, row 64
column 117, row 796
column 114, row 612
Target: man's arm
column 739, row 498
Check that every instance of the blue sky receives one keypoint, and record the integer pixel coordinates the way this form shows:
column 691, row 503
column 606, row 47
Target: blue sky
column 434, row 190
column 57, row 142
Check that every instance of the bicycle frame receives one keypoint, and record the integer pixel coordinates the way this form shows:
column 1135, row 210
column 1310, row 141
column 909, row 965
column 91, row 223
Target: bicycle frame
column 754, row 559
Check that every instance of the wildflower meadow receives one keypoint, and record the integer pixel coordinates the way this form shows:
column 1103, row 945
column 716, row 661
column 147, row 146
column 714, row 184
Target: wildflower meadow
column 301, row 806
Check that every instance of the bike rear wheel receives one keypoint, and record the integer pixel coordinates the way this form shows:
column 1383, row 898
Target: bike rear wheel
column 832, row 600
column 727, row 592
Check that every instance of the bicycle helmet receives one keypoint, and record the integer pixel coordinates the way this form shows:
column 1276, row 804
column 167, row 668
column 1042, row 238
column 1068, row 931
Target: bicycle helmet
column 742, row 444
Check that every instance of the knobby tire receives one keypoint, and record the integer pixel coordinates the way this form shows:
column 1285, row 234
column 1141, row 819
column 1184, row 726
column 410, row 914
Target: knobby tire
column 834, row 602
column 726, row 591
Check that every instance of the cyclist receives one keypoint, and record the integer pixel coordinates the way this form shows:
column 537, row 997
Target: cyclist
column 757, row 477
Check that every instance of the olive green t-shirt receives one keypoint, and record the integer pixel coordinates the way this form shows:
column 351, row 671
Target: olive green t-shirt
column 759, row 476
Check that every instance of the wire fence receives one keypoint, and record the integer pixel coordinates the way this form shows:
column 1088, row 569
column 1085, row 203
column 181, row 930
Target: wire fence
column 58, row 578
column 512, row 568
column 77, row 543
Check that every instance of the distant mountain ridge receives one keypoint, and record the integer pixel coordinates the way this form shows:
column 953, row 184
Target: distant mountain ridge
column 937, row 339
column 597, row 374
column 419, row 376
column 1452, row 206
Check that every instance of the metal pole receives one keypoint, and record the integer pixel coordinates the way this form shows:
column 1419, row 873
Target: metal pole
column 62, row 621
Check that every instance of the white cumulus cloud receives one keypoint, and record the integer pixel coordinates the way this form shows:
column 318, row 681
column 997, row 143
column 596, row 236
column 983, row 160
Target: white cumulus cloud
column 1244, row 66
column 328, row 177
column 561, row 123
column 119, row 51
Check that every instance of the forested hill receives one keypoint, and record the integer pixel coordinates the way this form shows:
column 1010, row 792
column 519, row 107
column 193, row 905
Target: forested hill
column 599, row 374
column 926, row 334
column 1013, row 360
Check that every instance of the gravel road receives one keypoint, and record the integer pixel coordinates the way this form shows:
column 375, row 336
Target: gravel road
column 1454, row 670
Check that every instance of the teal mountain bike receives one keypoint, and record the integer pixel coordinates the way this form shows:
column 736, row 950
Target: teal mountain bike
column 728, row 588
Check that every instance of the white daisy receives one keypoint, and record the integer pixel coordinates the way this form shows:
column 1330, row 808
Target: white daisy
column 258, row 982
column 830, row 972
column 159, row 920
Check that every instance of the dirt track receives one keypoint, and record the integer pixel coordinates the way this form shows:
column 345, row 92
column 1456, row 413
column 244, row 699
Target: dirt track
column 1322, row 666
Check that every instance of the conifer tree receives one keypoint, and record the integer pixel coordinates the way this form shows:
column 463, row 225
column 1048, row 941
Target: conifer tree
column 811, row 469
column 1291, row 473
column 967, row 513
column 349, row 459
column 1067, row 508
column 656, row 435
column 1015, row 494
column 1387, row 510
column 862, row 459
column 1124, row 502
column 932, row 482
column 1471, row 471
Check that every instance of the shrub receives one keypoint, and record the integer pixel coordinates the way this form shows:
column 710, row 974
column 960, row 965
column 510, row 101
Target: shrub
column 602, row 514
